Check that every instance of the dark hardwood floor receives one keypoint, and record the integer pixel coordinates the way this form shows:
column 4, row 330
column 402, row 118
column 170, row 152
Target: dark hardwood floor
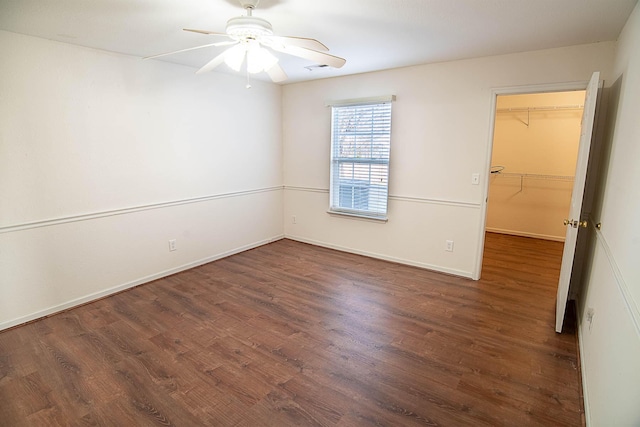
column 292, row 334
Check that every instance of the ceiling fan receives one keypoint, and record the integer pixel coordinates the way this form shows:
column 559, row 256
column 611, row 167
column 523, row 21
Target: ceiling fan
column 251, row 37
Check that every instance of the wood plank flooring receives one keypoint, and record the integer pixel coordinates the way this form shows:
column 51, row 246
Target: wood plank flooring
column 292, row 334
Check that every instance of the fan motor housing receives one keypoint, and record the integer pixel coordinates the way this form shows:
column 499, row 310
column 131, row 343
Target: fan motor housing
column 248, row 26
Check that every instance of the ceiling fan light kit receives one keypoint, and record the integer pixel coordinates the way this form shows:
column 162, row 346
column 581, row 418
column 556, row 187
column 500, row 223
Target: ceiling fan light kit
column 259, row 59
column 251, row 38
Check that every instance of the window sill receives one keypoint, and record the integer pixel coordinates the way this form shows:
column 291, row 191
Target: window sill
column 354, row 215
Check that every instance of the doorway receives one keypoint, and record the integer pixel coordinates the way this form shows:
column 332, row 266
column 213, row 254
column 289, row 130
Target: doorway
column 517, row 90
column 535, row 147
column 578, row 212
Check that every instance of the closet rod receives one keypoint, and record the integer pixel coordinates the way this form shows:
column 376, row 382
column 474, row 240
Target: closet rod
column 545, row 108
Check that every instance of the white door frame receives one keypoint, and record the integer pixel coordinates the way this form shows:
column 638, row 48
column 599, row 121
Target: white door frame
column 512, row 90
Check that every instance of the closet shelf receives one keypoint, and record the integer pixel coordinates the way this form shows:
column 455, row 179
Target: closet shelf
column 530, row 110
column 523, row 176
column 535, row 176
column 544, row 108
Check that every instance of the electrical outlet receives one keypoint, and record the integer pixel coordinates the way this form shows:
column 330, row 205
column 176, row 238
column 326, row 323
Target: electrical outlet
column 293, row 219
column 449, row 246
column 475, row 178
column 172, row 245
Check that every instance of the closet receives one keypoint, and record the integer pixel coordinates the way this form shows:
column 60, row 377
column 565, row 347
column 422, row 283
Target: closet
column 535, row 147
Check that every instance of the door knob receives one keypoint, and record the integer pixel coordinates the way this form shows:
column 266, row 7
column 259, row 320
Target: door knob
column 575, row 224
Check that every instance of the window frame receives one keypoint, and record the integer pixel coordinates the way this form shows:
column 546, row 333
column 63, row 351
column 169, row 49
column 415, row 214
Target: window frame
column 335, row 189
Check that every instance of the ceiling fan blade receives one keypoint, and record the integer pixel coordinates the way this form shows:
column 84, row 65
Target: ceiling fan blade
column 277, row 74
column 306, row 43
column 312, row 55
column 229, row 43
column 183, row 50
column 211, row 33
column 213, row 63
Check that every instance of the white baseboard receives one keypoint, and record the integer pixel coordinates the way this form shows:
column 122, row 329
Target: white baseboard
column 526, row 234
column 104, row 293
column 426, row 266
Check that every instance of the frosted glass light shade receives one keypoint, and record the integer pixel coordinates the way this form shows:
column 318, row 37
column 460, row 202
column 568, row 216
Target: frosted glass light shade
column 260, row 59
column 235, row 57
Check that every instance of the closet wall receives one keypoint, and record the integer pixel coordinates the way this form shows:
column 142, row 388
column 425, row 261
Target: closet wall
column 535, row 147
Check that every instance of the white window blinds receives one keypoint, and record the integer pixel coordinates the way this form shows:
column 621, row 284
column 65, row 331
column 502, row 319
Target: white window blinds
column 360, row 146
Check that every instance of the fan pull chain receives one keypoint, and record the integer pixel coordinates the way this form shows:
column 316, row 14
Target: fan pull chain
column 248, row 86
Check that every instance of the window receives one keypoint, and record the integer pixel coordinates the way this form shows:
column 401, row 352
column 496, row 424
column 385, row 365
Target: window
column 360, row 145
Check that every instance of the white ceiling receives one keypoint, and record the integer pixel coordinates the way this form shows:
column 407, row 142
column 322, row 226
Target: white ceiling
column 371, row 34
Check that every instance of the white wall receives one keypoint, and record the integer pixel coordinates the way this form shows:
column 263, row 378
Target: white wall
column 610, row 344
column 104, row 157
column 440, row 136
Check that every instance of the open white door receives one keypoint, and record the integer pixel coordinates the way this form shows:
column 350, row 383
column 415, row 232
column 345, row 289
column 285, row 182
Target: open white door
column 575, row 220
